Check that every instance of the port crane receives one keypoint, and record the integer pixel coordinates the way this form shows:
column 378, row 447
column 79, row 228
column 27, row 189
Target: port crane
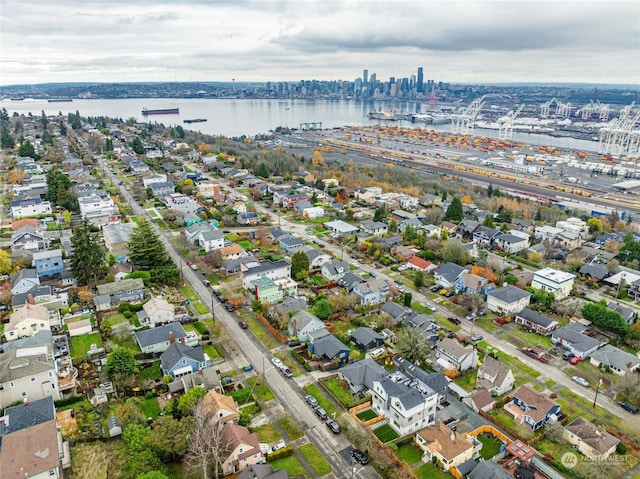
column 505, row 130
column 621, row 136
column 464, row 118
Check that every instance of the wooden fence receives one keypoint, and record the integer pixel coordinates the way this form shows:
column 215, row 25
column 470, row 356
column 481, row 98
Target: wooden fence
column 279, row 336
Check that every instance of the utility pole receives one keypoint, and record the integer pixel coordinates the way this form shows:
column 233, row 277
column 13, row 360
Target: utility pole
column 597, row 389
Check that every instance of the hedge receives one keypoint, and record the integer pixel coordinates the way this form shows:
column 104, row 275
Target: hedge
column 280, row 453
column 201, row 327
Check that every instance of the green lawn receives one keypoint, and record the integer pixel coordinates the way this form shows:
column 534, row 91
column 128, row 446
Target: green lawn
column 150, row 407
column 291, row 465
column 316, row 459
column 268, row 433
column 262, row 389
column 343, row 394
column 259, row 332
column 246, row 244
column 530, row 339
column 291, row 428
column 490, row 446
column 81, row 344
column 211, row 351
column 385, row 433
column 409, row 454
column 151, row 371
column 429, row 471
column 467, row 381
column 488, row 324
column 321, row 398
column 114, row 319
column 318, row 280
column 598, row 412
column 188, row 293
column 200, row 308
column 505, row 418
column 366, row 415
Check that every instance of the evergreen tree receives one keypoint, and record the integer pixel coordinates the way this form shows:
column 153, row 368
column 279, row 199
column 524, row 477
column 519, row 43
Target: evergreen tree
column 380, row 214
column 27, row 149
column 299, row 266
column 490, row 190
column 137, row 146
column 108, row 146
column 454, row 211
column 6, row 140
column 262, row 171
column 145, row 247
column 88, row 257
column 180, row 132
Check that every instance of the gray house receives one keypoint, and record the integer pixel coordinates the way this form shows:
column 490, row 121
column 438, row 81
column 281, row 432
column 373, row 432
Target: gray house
column 302, row 324
column 110, row 294
column 330, row 348
column 620, row 362
column 361, row 374
column 366, row 338
column 447, row 274
column 572, row 338
column 158, row 340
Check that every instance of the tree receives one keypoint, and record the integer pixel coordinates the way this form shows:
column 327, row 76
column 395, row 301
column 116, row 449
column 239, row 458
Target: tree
column 504, row 215
column 88, row 257
column 135, row 436
column 323, row 309
column 27, row 149
column 137, row 145
column 595, row 225
column 407, row 299
column 180, row 132
column 130, row 412
column 418, row 279
column 152, row 475
column 189, row 400
column 169, row 437
column 122, row 361
column 488, row 222
column 6, row 140
column 380, row 214
column 541, row 299
column 145, row 247
column 262, row 171
column 413, row 345
column 208, row 445
column 454, row 211
column 108, row 144
column 554, row 431
column 5, row 262
column 453, row 252
column 393, row 226
column 603, row 317
column 299, row 266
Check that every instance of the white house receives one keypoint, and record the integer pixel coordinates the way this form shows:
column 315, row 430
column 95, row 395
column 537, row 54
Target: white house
column 574, row 225
column 494, row 376
column 27, row 321
column 97, row 203
column 508, row 300
column 510, row 243
column 151, row 179
column 211, row 240
column 451, row 354
column 546, row 232
column 29, row 207
column 450, row 448
column 273, row 270
column 157, row 311
column 558, row 282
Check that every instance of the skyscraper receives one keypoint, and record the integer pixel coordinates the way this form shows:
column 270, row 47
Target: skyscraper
column 365, row 77
column 420, row 84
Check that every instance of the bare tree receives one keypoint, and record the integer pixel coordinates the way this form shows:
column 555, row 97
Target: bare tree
column 208, row 446
column 554, row 431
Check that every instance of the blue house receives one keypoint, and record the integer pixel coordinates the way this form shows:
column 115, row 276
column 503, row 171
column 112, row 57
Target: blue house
column 531, row 407
column 48, row 263
column 180, row 359
column 330, row 348
column 291, row 244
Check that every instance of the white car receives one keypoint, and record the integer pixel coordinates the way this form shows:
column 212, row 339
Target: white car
column 430, row 306
column 277, row 363
column 581, row 381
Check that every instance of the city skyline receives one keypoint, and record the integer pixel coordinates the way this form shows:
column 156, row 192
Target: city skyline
column 454, row 42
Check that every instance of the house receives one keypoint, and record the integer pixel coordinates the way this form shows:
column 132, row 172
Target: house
column 488, row 470
column 24, row 280
column 571, row 337
column 535, row 321
column 508, row 300
column 618, row 361
column 302, row 323
column 340, row 227
column 113, row 293
column 243, row 448
column 290, row 200
column 193, row 231
column 162, row 189
column 417, row 263
column 317, row 258
column 440, row 444
column 484, row 235
column 446, row 274
column 414, row 223
column 329, row 348
column 546, row 233
column 27, row 321
column 158, row 340
column 558, row 282
column 233, row 251
column 266, row 269
column 33, row 453
column 531, row 408
column 28, row 372
column 396, row 311
column 48, row 263
column 590, row 440
column 147, row 181
column 568, row 240
column 451, row 354
column 366, row 338
column 480, row 400
column 334, row 270
column 289, row 305
column 594, row 272
column 291, row 244
column 210, row 240
column 28, row 238
column 121, row 270
column 510, row 243
column 361, row 374
column 220, row 407
column 26, row 415
column 313, row 212
column 249, row 218
column 29, row 207
column 494, row 376
column 575, row 226
column 78, row 327
column 266, row 290
column 628, row 314
column 180, row 359
column 138, row 167
column 116, row 238
column 374, row 291
column 262, row 471
column 469, row 283
column 374, row 228
column 181, row 203
column 404, row 253
column 407, row 409
column 157, row 311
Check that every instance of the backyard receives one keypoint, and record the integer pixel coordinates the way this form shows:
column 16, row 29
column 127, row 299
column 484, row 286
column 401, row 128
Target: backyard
column 385, row 433
column 429, row 471
column 81, row 344
column 409, row 454
column 367, row 415
column 490, row 446
column 291, row 464
column 340, row 390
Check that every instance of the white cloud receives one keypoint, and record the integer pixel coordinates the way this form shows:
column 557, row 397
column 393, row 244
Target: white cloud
column 471, row 41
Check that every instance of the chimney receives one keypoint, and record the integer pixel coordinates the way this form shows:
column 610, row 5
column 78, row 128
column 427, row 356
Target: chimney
column 182, row 339
column 25, row 401
column 172, row 337
column 30, row 299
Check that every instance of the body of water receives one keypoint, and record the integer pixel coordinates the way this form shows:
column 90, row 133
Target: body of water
column 236, row 117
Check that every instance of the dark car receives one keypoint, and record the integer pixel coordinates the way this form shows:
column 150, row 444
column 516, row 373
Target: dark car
column 294, row 343
column 359, row 456
column 311, row 400
column 629, row 407
column 567, row 355
column 243, row 324
column 229, row 308
column 334, row 426
column 436, row 288
column 453, row 319
column 449, row 294
column 322, row 414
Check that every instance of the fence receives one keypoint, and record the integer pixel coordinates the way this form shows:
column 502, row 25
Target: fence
column 491, row 430
column 279, row 336
column 359, row 407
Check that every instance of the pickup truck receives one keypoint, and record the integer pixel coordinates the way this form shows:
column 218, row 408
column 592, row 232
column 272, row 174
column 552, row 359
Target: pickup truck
column 532, row 353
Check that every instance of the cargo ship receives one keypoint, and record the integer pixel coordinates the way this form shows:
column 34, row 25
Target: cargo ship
column 165, row 111
column 57, row 100
column 196, row 120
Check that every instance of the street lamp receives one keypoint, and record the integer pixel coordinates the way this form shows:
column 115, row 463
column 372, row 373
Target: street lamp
column 597, row 389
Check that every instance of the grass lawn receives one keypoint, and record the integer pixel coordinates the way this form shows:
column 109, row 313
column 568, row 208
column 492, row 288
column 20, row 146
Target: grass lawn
column 429, row 471
column 344, row 395
column 318, row 280
column 246, row 244
column 505, row 418
column 488, row 324
column 211, row 351
column 385, row 433
column 250, row 409
column 447, row 324
column 259, row 332
column 81, row 344
column 539, row 387
column 467, row 381
column 366, row 415
column 490, row 446
column 188, row 293
column 531, row 339
column 200, row 308
column 291, row 428
column 262, row 389
column 268, row 433
column 321, row 398
column 152, row 371
column 150, row 407
column 316, row 459
column 409, row 454
column 291, row 465
column 114, row 319
column 598, row 412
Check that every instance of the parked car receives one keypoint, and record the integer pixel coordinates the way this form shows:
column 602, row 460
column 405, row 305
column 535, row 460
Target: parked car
column 311, row 400
column 359, row 456
column 449, row 294
column 477, row 337
column 372, row 274
column 243, row 324
column 436, row 288
column 470, row 317
column 430, row 306
column 320, row 412
column 443, row 292
column 286, row 371
column 567, row 355
column 629, row 407
column 581, row 381
column 453, row 319
column 575, row 360
column 294, row 343
column 334, row 426
column 276, row 362
column 229, row 308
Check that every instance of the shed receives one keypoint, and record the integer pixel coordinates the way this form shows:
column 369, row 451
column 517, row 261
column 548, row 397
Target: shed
column 114, row 427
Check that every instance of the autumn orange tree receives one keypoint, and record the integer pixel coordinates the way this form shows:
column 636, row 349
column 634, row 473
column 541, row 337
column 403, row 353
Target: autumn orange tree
column 486, row 273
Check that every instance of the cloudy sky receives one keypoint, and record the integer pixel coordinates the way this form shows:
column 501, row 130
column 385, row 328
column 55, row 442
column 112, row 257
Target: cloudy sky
column 466, row 41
